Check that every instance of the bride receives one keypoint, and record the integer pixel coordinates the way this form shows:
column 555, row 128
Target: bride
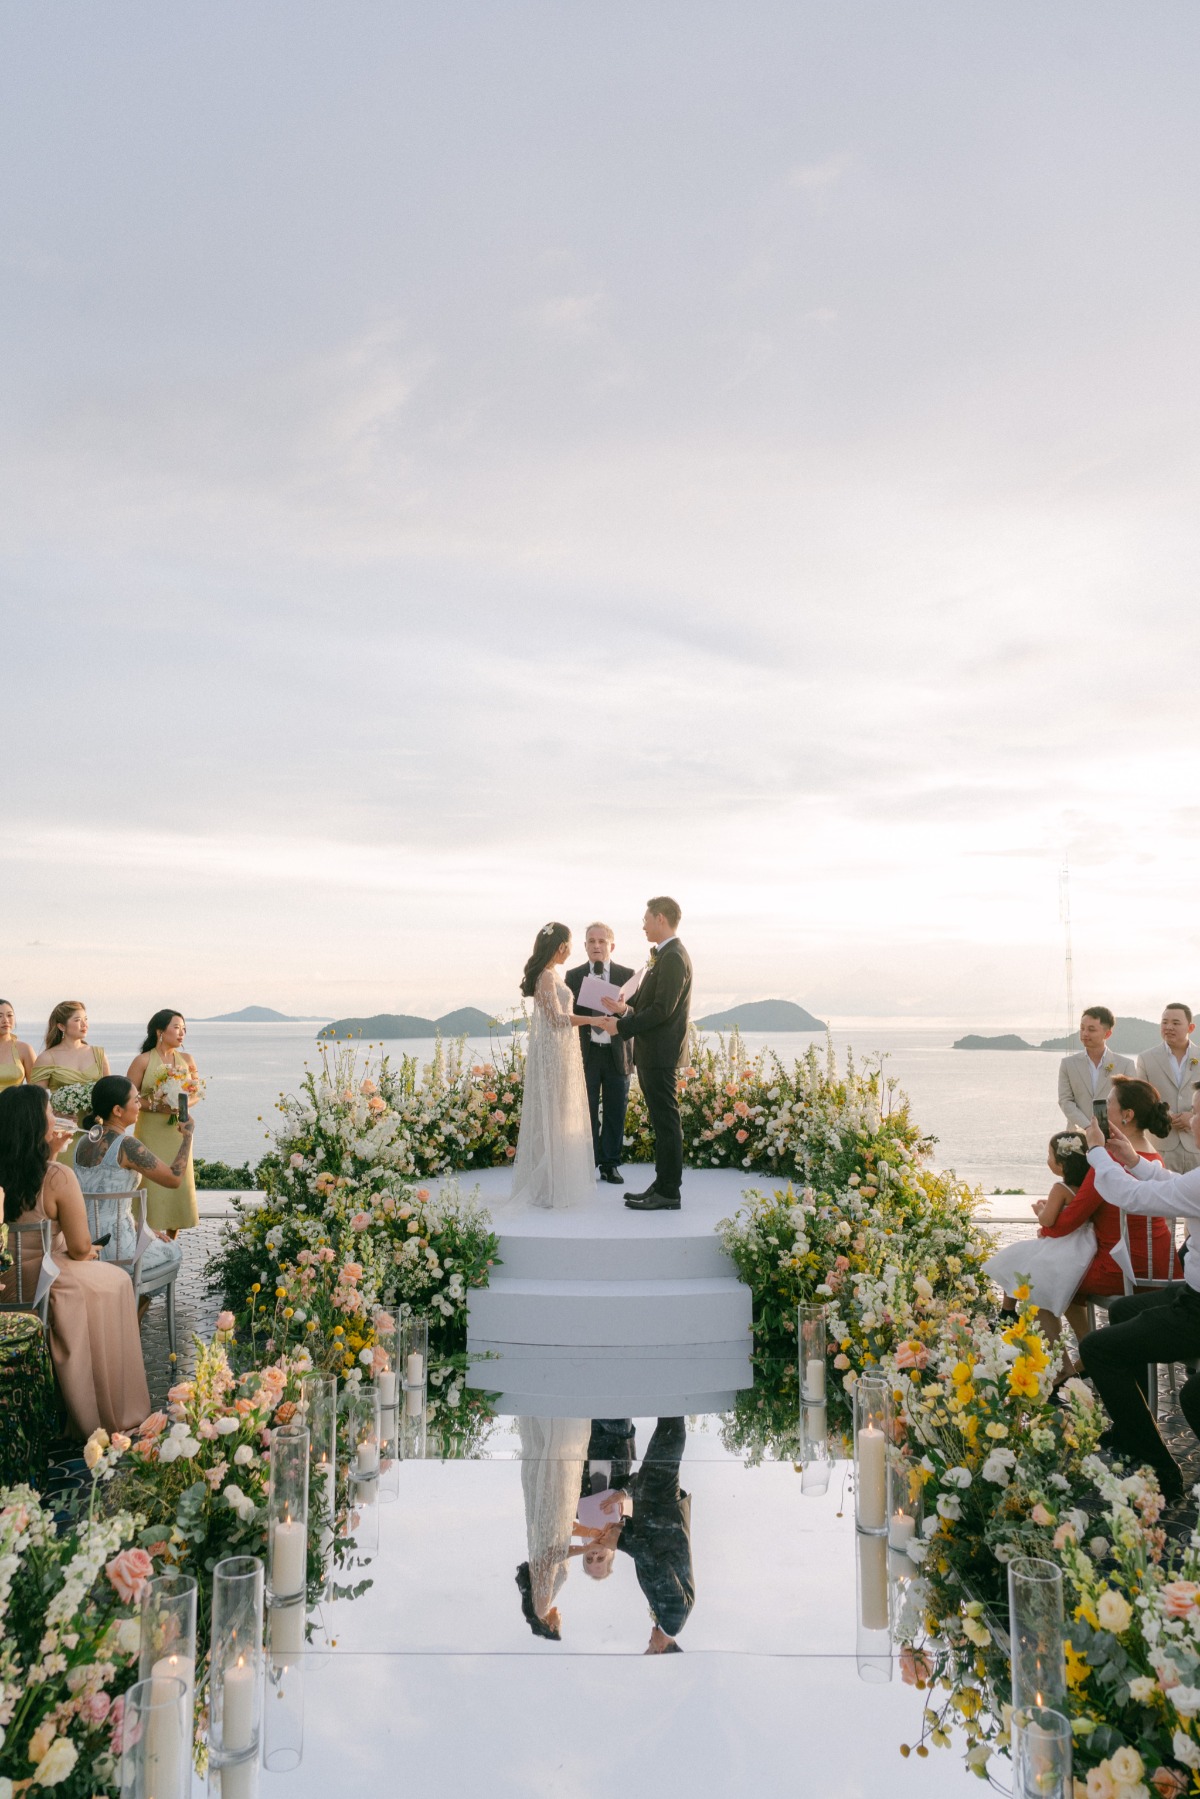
column 554, row 1164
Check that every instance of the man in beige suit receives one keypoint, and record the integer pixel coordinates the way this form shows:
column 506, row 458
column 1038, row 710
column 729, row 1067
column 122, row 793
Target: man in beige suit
column 1087, row 1075
column 1174, row 1068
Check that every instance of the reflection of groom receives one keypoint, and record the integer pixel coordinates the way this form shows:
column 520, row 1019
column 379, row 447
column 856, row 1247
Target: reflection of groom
column 658, row 1536
column 607, row 1059
column 657, row 1021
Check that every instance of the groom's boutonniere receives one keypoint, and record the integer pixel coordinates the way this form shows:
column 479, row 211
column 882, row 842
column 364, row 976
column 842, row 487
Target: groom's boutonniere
column 1108, row 1067
column 1194, row 1061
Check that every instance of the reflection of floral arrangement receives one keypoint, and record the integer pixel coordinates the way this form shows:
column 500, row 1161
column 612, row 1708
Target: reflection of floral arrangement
column 167, row 1087
column 69, row 1634
column 72, row 1100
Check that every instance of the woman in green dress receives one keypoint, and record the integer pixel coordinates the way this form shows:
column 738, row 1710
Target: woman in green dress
column 69, row 1060
column 17, row 1064
column 159, row 1072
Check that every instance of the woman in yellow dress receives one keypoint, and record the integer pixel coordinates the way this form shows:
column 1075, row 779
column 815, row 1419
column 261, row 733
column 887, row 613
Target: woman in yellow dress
column 17, row 1064
column 163, row 1058
column 68, row 1059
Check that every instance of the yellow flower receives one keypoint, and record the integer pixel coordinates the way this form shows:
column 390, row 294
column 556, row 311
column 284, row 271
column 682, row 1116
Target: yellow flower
column 1114, row 1611
column 996, row 1430
column 1021, row 1292
column 337, row 1330
column 288, row 1311
column 257, row 1287
column 1078, row 1668
column 1022, row 1378
column 312, row 1324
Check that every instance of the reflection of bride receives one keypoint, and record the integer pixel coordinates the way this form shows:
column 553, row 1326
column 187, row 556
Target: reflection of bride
column 554, row 1164
column 553, row 1451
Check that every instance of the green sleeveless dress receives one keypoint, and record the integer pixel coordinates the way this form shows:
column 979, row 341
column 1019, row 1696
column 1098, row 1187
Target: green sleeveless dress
column 166, row 1209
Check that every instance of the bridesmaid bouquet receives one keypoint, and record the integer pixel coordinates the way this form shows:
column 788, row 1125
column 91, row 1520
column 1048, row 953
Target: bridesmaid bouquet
column 167, row 1088
column 72, row 1100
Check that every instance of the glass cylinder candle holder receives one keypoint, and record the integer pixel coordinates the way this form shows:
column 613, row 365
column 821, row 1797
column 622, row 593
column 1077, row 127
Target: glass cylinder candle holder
column 1041, row 1753
column 873, row 1637
column 168, row 1642
column 156, row 1756
column 235, row 1677
column 318, row 1411
column 906, row 1500
column 287, row 1539
column 1035, row 1625
column 814, row 1462
column 387, row 1351
column 362, row 1443
column 872, row 1434
column 811, row 1333
column 415, row 1364
column 283, row 1713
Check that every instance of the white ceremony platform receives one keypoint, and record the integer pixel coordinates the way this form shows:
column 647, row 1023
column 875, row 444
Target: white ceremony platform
column 612, row 1311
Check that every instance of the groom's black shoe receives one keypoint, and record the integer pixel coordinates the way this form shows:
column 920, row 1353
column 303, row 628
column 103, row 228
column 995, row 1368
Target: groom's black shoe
column 612, row 1175
column 652, row 1201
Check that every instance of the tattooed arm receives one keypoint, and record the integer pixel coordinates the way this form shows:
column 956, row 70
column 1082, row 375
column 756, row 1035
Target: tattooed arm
column 140, row 1160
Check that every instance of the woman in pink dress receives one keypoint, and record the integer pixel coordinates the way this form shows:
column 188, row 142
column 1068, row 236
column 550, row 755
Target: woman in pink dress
column 94, row 1341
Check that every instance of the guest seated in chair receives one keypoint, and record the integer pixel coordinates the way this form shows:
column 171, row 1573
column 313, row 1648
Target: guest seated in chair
column 109, row 1160
column 1161, row 1325
column 94, row 1342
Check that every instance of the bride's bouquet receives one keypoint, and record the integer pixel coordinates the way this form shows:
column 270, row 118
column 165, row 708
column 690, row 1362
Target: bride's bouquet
column 71, row 1101
column 166, row 1090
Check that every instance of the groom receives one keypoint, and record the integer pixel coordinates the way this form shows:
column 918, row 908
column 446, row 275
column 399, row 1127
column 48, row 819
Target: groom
column 657, row 1020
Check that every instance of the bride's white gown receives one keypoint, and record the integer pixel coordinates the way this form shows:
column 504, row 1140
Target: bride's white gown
column 553, row 1451
column 554, row 1163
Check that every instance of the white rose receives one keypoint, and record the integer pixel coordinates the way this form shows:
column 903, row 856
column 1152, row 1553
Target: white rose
column 129, row 1635
column 1186, row 1700
column 1126, row 1765
column 949, row 1505
column 227, row 1426
column 168, row 1451
column 1184, row 1750
column 1143, row 1688
column 188, row 1447
column 243, row 1455
column 57, row 1763
column 1114, row 1612
column 958, row 1477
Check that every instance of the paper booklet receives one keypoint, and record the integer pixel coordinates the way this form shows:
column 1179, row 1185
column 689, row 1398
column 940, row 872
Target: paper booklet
column 608, row 1506
column 593, row 992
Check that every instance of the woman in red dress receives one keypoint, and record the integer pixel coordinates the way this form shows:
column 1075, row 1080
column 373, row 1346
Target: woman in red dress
column 1136, row 1108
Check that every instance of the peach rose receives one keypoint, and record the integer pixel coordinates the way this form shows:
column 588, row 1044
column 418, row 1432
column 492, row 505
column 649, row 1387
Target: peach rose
column 128, row 1573
column 1179, row 1597
column 911, row 1355
column 915, row 1665
column 1168, row 1783
column 224, row 1321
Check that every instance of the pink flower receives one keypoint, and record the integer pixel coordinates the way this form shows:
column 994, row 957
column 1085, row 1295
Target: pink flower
column 841, row 1263
column 379, row 1359
column 911, row 1355
column 180, row 1392
column 1040, row 1515
column 206, row 1429
column 96, row 1708
column 129, row 1573
column 375, row 1104
column 1179, row 1597
column 422, row 1192
column 224, row 1321
column 360, row 1221
column 1063, row 1535
column 1168, row 1782
column 116, row 1718
column 352, row 1270
column 915, row 1665
column 326, row 1254
column 742, row 1135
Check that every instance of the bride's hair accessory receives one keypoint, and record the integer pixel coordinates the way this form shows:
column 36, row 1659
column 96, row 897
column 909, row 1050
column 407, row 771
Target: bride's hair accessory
column 545, row 945
column 547, row 930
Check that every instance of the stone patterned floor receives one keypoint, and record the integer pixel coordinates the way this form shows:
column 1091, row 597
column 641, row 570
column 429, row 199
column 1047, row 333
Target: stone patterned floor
column 195, row 1312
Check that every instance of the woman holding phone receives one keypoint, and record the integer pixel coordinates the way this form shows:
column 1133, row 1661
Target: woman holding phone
column 165, row 1074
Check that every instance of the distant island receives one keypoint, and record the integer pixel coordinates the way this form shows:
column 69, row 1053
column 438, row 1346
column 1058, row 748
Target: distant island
column 762, row 1015
column 1008, row 1042
column 259, row 1015
column 468, row 1021
column 1130, row 1037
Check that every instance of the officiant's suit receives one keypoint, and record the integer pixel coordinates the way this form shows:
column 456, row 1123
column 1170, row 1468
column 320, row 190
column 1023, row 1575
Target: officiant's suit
column 607, row 1066
column 657, row 1025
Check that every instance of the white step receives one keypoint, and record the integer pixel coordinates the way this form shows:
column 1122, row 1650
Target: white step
column 615, row 1404
column 579, row 1377
column 636, row 1255
column 608, row 1313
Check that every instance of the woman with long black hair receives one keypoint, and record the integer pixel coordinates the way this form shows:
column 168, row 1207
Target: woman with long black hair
column 555, row 1165
column 94, row 1342
column 160, row 1071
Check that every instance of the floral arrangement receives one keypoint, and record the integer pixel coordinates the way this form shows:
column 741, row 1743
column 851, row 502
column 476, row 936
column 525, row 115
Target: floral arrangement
column 72, row 1099
column 168, row 1087
column 69, row 1638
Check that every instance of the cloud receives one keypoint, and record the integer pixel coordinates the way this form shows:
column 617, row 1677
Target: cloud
column 815, row 177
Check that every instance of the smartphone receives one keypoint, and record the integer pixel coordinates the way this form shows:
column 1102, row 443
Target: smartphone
column 1100, row 1114
column 183, row 1108
column 100, row 1242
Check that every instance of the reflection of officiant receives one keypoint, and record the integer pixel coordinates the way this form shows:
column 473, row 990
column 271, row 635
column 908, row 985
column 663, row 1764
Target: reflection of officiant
column 658, row 1537
column 607, row 1059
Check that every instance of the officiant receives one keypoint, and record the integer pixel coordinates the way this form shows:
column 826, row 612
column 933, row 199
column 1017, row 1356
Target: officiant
column 607, row 1059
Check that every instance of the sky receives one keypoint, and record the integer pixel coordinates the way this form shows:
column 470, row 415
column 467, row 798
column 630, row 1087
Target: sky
column 465, row 466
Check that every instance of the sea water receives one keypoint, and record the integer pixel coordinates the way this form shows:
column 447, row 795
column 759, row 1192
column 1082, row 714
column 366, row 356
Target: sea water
column 991, row 1111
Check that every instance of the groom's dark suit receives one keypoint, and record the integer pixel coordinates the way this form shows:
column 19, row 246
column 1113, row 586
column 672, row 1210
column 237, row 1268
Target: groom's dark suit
column 657, row 1024
column 607, row 1067
column 659, row 1534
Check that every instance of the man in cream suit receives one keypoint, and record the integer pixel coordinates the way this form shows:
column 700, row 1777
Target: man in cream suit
column 1174, row 1068
column 1087, row 1075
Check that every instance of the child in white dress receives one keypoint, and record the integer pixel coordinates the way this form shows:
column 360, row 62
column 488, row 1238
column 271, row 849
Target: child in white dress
column 1052, row 1267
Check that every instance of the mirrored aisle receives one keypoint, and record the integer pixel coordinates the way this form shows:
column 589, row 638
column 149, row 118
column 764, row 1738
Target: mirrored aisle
column 588, row 1599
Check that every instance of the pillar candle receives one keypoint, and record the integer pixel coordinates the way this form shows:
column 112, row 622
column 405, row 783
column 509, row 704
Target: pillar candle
column 814, row 1379
column 901, row 1529
column 873, row 1583
column 414, row 1370
column 289, row 1557
column 414, row 1397
column 872, row 1479
column 386, row 1382
column 164, row 1738
column 238, row 1781
column 366, row 1464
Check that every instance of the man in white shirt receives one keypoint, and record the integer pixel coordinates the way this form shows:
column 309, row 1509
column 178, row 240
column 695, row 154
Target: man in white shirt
column 1160, row 1325
column 1173, row 1067
column 1086, row 1076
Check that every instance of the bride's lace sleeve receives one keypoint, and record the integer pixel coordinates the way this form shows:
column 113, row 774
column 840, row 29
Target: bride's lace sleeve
column 545, row 997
